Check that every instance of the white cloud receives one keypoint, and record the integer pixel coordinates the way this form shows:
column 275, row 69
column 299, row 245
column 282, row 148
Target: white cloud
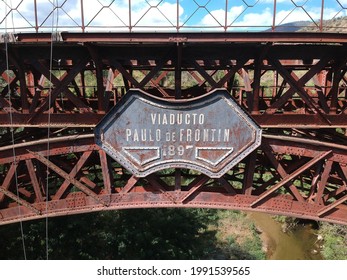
column 342, row 3
column 21, row 14
column 332, row 13
column 97, row 14
column 217, row 17
column 101, row 15
column 245, row 18
column 256, row 19
column 286, row 16
column 238, row 16
column 142, row 14
column 308, row 14
column 164, row 15
column 235, row 14
column 272, row 1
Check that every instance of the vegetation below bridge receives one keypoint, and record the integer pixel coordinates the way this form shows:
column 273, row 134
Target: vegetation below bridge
column 155, row 234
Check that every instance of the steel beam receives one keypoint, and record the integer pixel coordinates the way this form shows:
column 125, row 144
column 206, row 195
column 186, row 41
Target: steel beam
column 155, row 191
column 298, row 171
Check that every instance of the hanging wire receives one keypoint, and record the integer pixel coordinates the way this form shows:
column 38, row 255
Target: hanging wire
column 53, row 35
column 7, row 37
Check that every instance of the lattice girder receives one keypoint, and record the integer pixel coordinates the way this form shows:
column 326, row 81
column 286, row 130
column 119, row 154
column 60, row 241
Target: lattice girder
column 280, row 85
column 305, row 179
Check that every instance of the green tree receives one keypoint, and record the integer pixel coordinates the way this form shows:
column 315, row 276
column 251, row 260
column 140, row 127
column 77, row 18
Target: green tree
column 334, row 245
column 126, row 234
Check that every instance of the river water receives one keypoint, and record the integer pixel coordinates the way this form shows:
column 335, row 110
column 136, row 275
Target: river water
column 298, row 244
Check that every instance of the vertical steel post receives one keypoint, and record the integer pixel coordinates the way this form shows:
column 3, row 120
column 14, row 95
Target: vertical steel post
column 82, row 16
column 321, row 17
column 178, row 72
column 130, row 27
column 177, row 15
column 226, row 16
column 36, row 20
column 274, row 16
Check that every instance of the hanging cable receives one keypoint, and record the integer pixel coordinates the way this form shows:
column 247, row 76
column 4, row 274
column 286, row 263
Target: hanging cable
column 7, row 37
column 53, row 37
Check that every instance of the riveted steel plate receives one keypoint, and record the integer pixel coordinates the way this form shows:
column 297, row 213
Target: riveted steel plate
column 209, row 134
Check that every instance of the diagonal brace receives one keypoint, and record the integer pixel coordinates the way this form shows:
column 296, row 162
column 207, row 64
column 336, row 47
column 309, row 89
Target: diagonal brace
column 8, row 179
column 60, row 86
column 157, row 183
column 194, row 186
column 282, row 172
column 297, row 86
column 291, row 177
column 332, row 205
column 65, row 175
column 20, row 200
column 72, row 174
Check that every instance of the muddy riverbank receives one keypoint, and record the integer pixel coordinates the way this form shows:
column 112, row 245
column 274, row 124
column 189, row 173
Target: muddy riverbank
column 297, row 244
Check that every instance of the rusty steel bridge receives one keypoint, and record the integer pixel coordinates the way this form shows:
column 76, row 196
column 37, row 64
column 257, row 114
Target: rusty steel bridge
column 64, row 66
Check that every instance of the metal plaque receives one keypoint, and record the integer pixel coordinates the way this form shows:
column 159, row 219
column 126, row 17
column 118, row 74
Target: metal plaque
column 209, row 134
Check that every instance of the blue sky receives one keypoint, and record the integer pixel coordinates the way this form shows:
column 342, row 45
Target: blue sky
column 114, row 15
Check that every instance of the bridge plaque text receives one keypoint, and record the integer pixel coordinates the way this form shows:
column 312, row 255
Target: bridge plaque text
column 209, row 134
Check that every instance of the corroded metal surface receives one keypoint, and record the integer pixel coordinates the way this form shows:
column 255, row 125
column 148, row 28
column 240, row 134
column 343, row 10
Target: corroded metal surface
column 280, row 85
column 288, row 177
column 297, row 93
column 209, row 134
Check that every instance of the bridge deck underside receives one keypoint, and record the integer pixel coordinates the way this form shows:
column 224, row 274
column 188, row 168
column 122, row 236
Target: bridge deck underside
column 294, row 87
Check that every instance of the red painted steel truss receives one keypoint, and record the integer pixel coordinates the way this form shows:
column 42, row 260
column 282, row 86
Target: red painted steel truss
column 293, row 85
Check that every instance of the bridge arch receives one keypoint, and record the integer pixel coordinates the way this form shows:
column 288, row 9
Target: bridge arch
column 306, row 180
column 58, row 82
